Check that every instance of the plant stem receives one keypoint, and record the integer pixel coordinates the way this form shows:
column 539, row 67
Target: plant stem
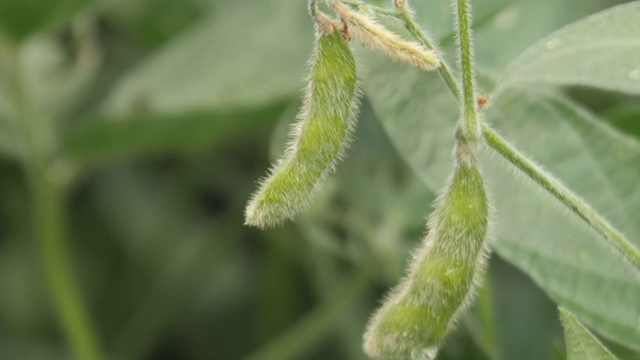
column 304, row 334
column 376, row 9
column 477, row 24
column 48, row 196
column 444, row 70
column 471, row 125
column 564, row 195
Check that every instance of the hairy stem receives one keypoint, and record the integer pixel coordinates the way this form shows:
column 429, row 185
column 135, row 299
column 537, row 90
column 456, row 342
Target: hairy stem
column 444, row 70
column 49, row 196
column 564, row 195
column 376, row 9
column 471, row 125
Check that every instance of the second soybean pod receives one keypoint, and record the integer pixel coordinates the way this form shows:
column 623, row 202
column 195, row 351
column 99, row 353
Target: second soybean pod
column 443, row 273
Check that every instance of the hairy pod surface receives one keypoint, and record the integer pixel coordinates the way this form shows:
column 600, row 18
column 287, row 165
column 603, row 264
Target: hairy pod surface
column 368, row 32
column 442, row 274
column 318, row 138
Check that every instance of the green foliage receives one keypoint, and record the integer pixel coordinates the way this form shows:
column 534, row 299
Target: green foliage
column 599, row 51
column 580, row 343
column 142, row 125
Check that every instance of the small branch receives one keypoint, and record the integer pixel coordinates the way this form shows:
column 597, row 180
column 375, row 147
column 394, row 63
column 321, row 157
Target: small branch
column 49, row 212
column 471, row 125
column 376, row 9
column 625, row 248
column 444, row 70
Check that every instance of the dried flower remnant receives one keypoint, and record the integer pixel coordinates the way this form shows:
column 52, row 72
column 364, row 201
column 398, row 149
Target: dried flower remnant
column 368, row 32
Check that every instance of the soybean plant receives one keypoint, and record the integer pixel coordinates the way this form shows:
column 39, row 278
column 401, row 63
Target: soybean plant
column 447, row 267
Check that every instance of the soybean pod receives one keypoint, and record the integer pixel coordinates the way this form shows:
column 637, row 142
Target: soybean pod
column 442, row 274
column 319, row 137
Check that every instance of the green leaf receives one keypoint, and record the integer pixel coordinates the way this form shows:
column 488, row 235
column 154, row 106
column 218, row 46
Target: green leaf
column 522, row 23
column 602, row 50
column 581, row 344
column 552, row 246
column 504, row 28
column 221, row 64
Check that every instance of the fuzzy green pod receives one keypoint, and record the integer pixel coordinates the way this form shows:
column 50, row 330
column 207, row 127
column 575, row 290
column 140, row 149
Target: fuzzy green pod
column 442, row 274
column 319, row 137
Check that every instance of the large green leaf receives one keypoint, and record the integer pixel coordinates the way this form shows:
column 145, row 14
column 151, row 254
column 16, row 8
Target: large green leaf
column 522, row 23
column 581, row 345
column 566, row 259
column 602, row 50
column 221, row 64
column 504, row 28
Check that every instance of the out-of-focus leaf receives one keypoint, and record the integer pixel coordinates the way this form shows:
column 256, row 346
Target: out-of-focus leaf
column 32, row 350
column 522, row 319
column 152, row 22
column 626, row 118
column 182, row 255
column 23, row 306
column 581, row 344
column 146, row 134
column 247, row 54
column 57, row 74
column 21, row 18
column 602, row 50
column 10, row 137
column 567, row 260
column 55, row 77
column 10, row 140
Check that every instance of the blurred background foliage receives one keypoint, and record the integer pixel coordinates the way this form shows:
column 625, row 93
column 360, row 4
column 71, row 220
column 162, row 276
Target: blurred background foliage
column 153, row 118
